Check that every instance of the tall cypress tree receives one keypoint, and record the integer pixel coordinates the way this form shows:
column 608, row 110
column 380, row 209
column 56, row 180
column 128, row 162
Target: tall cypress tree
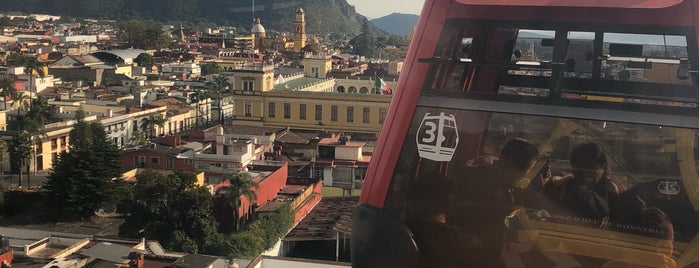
column 82, row 178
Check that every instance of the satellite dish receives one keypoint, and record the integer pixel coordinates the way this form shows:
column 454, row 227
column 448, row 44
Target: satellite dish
column 107, row 210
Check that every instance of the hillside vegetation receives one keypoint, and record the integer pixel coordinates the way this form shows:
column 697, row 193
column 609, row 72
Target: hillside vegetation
column 322, row 16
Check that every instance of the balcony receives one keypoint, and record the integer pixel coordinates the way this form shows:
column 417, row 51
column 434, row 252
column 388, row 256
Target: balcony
column 247, row 93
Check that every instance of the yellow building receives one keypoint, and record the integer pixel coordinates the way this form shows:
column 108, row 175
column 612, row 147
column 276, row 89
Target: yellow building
column 328, row 111
column 317, row 66
column 56, row 140
column 3, row 120
column 119, row 127
column 125, row 69
column 304, row 103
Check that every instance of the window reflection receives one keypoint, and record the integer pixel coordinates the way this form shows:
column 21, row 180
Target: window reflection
column 569, row 192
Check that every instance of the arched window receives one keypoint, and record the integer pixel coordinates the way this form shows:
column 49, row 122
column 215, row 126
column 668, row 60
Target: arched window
column 341, row 89
column 352, row 89
column 363, row 90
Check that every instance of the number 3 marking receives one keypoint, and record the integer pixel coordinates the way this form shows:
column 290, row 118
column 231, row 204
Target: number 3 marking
column 429, row 131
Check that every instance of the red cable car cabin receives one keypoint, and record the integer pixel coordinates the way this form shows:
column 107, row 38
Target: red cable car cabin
column 556, row 133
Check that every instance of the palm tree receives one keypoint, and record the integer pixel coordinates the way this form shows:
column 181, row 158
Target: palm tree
column 241, row 184
column 159, row 121
column 34, row 129
column 22, row 101
column 33, row 65
column 7, row 85
column 196, row 97
column 3, row 149
column 149, row 123
column 20, row 151
column 220, row 84
column 138, row 138
column 42, row 111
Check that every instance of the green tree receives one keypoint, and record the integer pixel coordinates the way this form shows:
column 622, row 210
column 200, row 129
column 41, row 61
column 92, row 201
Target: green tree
column 364, row 43
column 31, row 66
column 138, row 138
column 174, row 211
column 219, row 85
column 22, row 101
column 41, row 111
column 241, row 184
column 145, row 60
column 211, row 67
column 35, row 130
column 380, row 43
column 197, row 97
column 20, row 151
column 82, row 179
column 6, row 21
column 7, row 85
column 261, row 234
column 142, row 34
column 3, row 151
column 149, row 123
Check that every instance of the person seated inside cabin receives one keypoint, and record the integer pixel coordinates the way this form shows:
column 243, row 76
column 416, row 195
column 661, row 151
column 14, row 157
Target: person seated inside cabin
column 639, row 218
column 587, row 191
column 440, row 244
column 484, row 195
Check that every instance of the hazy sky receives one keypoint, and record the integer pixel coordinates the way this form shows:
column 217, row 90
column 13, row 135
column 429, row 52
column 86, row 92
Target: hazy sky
column 379, row 8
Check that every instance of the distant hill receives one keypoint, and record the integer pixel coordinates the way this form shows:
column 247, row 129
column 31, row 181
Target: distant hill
column 396, row 23
column 324, row 16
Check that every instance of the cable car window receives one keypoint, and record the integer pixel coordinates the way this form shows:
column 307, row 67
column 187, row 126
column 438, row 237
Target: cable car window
column 541, row 191
column 533, row 48
column 618, row 70
column 579, row 55
column 643, row 58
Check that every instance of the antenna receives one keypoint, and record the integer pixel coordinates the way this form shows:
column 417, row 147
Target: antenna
column 253, row 12
column 320, row 21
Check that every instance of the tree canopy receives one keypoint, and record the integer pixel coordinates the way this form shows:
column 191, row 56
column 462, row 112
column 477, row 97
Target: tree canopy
column 20, row 151
column 145, row 60
column 144, row 34
column 82, row 179
column 364, row 43
column 210, row 68
column 229, row 199
column 344, row 19
column 174, row 211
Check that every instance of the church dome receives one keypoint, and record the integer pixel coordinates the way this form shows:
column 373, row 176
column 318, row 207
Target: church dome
column 300, row 10
column 257, row 28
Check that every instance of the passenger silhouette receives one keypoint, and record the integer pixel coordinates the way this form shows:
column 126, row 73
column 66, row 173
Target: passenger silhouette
column 484, row 195
column 587, row 191
column 440, row 244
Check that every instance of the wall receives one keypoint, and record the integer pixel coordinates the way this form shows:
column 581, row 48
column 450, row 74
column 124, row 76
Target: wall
column 358, row 102
column 270, row 186
column 267, row 190
column 61, row 130
column 128, row 160
column 72, row 74
column 360, row 86
column 311, row 201
column 348, row 153
column 281, row 262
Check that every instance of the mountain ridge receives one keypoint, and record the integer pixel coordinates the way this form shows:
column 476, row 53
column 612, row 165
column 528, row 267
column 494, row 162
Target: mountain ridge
column 322, row 16
column 396, row 23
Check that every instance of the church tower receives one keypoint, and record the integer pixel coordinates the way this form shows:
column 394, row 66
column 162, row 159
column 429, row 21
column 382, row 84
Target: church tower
column 299, row 30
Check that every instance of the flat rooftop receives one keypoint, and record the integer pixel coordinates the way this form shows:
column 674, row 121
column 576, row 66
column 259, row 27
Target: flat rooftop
column 320, row 224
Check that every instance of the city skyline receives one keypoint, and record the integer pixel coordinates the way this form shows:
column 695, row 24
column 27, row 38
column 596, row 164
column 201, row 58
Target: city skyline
column 376, row 9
